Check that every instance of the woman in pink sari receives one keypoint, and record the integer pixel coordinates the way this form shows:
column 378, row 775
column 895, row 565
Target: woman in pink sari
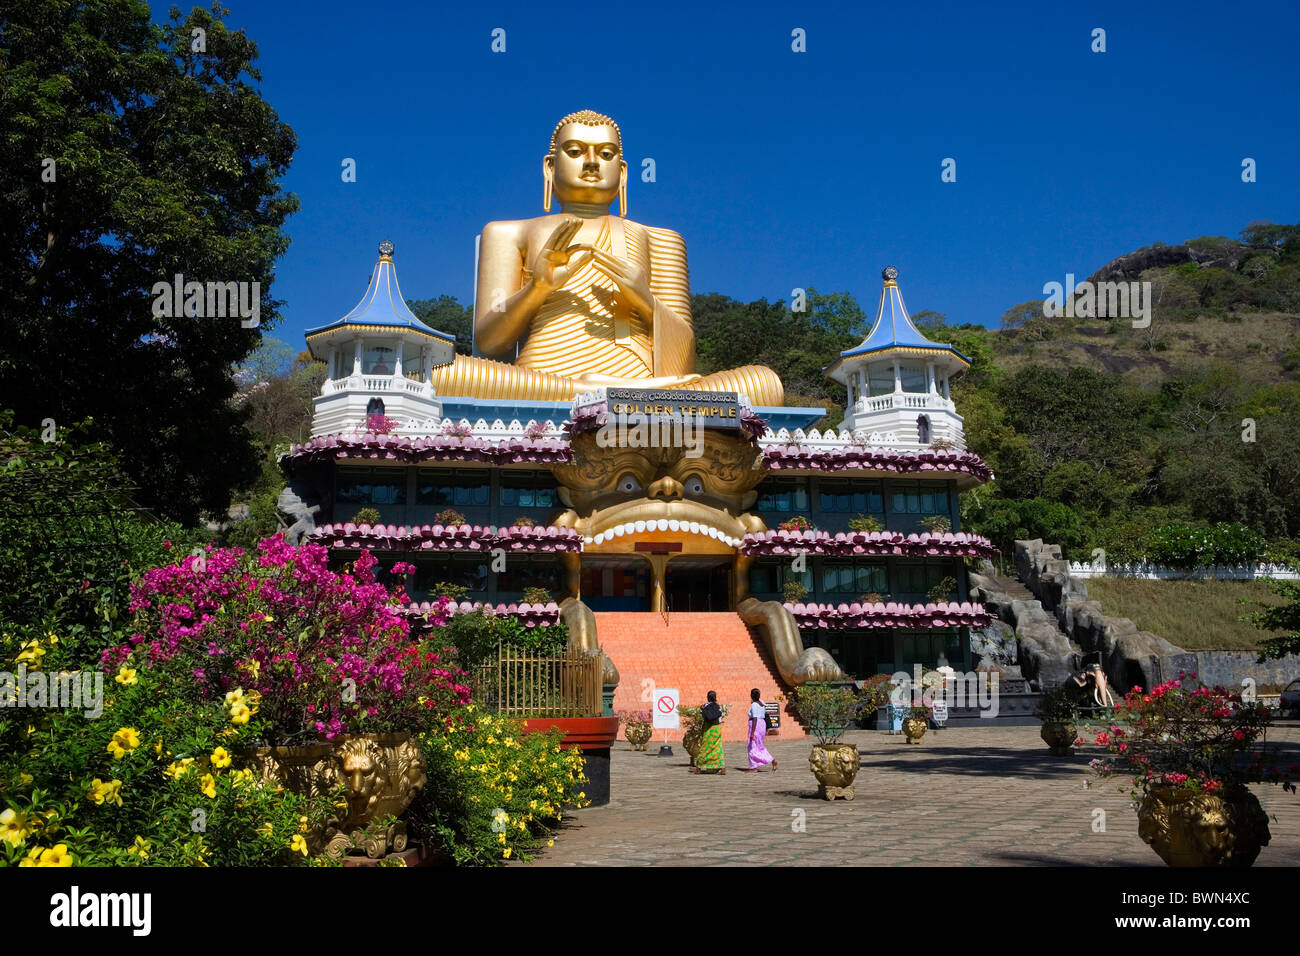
column 758, row 754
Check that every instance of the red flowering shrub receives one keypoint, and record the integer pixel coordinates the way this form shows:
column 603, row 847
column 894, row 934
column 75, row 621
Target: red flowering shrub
column 1201, row 739
column 280, row 635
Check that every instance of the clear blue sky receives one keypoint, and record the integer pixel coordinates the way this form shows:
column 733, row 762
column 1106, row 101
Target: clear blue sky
column 784, row 169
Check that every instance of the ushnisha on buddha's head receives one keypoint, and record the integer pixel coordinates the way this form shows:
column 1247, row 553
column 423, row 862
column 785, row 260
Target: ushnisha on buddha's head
column 585, row 168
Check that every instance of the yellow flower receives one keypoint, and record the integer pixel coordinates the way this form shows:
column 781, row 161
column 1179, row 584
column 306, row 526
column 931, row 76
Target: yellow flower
column 506, row 853
column 239, row 714
column 235, row 696
column 24, row 778
column 126, row 676
column 208, row 786
column 298, row 844
column 141, row 848
column 266, row 829
column 124, row 741
column 220, row 758
column 32, row 858
column 302, row 824
column 57, row 856
column 102, row 792
column 31, row 654
column 13, row 827
column 242, row 777
column 550, row 843
column 51, row 638
column 179, row 767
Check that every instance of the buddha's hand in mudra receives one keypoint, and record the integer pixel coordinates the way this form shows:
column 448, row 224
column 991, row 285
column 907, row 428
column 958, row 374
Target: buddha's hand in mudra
column 630, row 278
column 557, row 260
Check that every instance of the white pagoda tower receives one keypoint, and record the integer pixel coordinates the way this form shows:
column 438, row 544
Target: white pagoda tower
column 897, row 381
column 379, row 357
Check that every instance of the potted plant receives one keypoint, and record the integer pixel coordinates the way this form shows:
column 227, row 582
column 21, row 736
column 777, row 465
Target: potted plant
column 1190, row 753
column 637, row 727
column 872, row 695
column 942, row 590
column 864, row 523
column 916, row 716
column 321, row 663
column 1058, row 710
column 826, row 710
column 449, row 517
column 797, row 523
column 794, row 591
column 937, row 524
column 368, row 516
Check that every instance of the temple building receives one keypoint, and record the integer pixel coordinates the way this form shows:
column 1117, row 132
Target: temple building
column 692, row 529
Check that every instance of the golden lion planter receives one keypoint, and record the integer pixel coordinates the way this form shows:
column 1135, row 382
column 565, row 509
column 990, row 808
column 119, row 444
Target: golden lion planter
column 1187, row 828
column 380, row 773
column 835, row 766
column 914, row 729
column 1059, row 735
column 691, row 742
column 638, row 735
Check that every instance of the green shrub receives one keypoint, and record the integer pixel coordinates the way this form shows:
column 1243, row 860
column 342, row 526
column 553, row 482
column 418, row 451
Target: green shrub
column 366, row 516
column 864, row 523
column 494, row 792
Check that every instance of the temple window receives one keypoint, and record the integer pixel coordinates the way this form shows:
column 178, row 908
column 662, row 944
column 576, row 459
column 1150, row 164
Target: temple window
column 783, row 496
column 913, row 377
column 923, row 429
column 370, row 486
column 447, row 489
column 378, row 360
column 846, row 577
column 845, row 497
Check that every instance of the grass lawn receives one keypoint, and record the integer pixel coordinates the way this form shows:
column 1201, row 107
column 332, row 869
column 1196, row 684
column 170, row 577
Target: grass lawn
column 1196, row 615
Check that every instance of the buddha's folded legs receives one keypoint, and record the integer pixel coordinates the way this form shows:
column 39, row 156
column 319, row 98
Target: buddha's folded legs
column 485, row 378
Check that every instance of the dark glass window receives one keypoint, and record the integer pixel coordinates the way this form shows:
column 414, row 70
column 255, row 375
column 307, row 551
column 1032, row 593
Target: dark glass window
column 785, row 495
column 918, row 502
column 371, row 487
column 467, row 574
column 528, row 490
column 843, row 577
column 446, row 488
column 851, row 497
column 522, row 575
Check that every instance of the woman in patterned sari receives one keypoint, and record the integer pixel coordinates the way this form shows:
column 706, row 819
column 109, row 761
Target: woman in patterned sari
column 710, row 759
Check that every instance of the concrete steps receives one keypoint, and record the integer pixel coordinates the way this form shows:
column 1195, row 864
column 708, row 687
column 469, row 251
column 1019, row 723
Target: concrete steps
column 695, row 652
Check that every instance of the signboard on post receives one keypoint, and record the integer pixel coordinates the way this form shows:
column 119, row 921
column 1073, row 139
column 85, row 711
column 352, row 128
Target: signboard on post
column 774, row 716
column 940, row 714
column 665, row 709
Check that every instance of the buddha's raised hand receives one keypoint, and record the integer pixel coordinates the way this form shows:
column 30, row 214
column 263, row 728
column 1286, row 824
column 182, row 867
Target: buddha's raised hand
column 630, row 278
column 557, row 259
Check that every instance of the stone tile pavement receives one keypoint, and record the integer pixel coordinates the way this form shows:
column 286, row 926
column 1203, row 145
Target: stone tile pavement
column 962, row 797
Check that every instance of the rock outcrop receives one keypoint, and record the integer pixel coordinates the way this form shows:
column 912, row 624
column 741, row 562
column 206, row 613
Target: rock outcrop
column 1128, row 656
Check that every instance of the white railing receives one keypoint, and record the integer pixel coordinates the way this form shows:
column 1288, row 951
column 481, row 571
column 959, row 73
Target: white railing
column 880, row 403
column 1152, row 572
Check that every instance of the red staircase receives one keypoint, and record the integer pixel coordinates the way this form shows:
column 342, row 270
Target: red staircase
column 695, row 653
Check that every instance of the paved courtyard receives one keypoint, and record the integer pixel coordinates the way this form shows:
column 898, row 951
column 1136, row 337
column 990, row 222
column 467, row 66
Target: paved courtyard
column 962, row 797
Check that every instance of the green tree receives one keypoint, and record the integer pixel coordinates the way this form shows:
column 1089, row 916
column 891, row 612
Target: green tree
column 131, row 157
column 446, row 314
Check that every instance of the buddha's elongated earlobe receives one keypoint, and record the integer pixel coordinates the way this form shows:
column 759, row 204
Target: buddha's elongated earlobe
column 622, row 190
column 547, row 180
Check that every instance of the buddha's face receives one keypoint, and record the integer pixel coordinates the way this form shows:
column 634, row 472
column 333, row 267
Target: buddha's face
column 587, row 164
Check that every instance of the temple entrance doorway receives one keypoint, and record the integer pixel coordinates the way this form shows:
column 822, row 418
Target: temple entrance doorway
column 698, row 583
column 617, row 582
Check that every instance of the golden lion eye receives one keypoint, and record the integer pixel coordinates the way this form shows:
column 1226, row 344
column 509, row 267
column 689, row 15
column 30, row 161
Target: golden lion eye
column 628, row 484
column 693, row 485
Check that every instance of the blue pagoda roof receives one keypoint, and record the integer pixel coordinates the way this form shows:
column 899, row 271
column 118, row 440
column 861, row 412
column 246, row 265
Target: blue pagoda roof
column 382, row 305
column 893, row 328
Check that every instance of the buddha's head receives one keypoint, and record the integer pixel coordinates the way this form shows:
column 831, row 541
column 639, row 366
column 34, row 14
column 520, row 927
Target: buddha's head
column 585, row 164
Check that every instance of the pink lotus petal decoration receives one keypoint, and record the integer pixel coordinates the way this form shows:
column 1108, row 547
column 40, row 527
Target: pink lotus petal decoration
column 871, row 543
column 795, row 456
column 855, row 615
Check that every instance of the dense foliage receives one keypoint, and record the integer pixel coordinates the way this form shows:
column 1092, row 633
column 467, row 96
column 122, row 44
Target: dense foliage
column 165, row 161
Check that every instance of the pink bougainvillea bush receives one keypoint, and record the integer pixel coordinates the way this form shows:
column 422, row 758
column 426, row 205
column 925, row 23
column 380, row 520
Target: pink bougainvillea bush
column 279, row 635
column 1182, row 736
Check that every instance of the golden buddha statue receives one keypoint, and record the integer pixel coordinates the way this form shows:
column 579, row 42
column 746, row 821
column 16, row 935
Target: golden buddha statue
column 595, row 299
